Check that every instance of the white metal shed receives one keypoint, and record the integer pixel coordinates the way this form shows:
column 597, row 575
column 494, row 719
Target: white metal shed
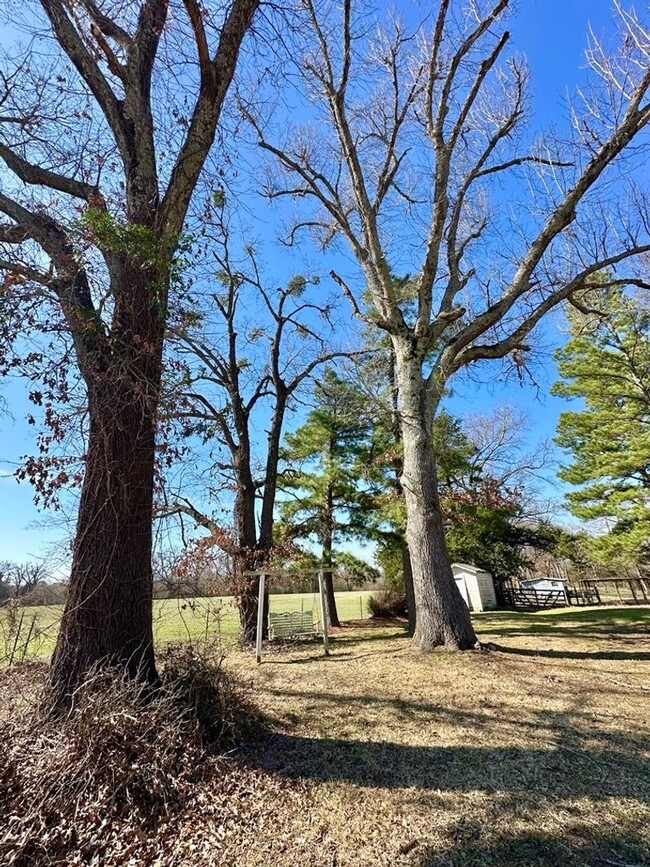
column 476, row 586
column 544, row 582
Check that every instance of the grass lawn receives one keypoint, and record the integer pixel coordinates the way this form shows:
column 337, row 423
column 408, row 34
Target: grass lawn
column 174, row 620
column 534, row 752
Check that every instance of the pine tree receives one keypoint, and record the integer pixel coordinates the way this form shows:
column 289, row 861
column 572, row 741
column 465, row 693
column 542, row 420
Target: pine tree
column 606, row 364
column 326, row 497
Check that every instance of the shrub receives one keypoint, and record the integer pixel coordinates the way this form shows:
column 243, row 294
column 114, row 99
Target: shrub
column 206, row 695
column 391, row 602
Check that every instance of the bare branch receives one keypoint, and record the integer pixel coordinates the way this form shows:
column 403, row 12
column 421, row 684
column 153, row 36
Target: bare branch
column 317, row 362
column 108, row 26
column 350, row 296
column 519, row 161
column 315, row 182
column 71, row 42
column 70, row 282
column 196, row 20
column 24, row 272
column 184, row 506
column 513, row 340
column 11, row 233
column 215, row 80
column 32, row 174
column 151, row 23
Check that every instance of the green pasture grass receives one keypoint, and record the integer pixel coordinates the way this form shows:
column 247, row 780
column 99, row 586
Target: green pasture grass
column 596, row 620
column 190, row 619
column 173, row 620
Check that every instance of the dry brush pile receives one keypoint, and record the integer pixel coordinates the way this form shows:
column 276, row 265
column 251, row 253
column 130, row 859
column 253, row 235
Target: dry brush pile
column 92, row 785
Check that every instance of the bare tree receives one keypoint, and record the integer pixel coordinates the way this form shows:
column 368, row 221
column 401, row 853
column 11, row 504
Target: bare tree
column 190, row 572
column 5, row 580
column 27, row 577
column 245, row 354
column 417, row 135
column 502, row 453
column 107, row 121
column 20, row 579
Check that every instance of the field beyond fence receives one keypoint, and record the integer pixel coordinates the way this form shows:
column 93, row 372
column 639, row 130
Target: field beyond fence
column 29, row 633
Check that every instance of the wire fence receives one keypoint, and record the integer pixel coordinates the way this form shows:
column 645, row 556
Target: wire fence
column 29, row 632
column 191, row 618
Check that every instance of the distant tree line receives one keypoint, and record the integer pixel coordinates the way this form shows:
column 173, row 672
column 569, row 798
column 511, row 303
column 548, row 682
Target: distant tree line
column 30, row 583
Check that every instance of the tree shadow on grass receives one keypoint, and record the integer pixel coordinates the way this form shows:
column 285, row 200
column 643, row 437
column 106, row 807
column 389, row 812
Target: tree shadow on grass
column 341, row 647
column 578, row 847
column 569, row 623
column 561, row 772
column 494, row 715
column 397, row 631
column 566, row 727
column 638, row 655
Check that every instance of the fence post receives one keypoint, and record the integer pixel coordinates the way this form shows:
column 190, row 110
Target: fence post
column 260, row 619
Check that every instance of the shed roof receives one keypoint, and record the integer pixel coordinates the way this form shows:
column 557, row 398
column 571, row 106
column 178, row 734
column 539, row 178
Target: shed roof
column 468, row 568
column 542, row 578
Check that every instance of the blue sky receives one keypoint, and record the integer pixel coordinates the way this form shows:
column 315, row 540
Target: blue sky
column 553, row 35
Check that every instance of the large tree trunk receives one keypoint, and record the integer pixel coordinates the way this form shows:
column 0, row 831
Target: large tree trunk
column 267, row 516
column 398, row 467
column 248, row 596
column 328, row 578
column 443, row 618
column 249, row 558
column 249, row 592
column 248, row 605
column 409, row 590
column 108, row 615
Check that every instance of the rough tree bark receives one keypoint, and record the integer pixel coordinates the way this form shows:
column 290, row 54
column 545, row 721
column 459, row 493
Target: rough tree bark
column 246, row 556
column 327, row 541
column 409, row 589
column 110, row 620
column 398, row 465
column 442, row 615
column 118, row 345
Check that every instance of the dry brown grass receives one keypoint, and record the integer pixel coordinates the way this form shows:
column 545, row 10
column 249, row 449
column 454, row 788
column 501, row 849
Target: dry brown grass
column 532, row 753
